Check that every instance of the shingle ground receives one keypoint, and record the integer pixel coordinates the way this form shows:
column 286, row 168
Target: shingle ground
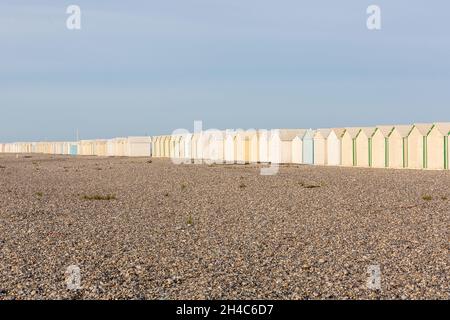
column 168, row 231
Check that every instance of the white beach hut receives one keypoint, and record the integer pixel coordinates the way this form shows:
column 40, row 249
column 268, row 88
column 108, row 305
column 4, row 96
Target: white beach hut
column 280, row 145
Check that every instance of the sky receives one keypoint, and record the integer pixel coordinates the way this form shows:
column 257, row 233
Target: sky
column 151, row 67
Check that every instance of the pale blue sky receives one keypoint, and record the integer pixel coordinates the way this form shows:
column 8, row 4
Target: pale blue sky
column 149, row 67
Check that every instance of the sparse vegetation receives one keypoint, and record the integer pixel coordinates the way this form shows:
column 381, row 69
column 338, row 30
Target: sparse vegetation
column 444, row 198
column 39, row 194
column 427, row 197
column 309, row 185
column 183, row 186
column 190, row 221
column 242, row 186
column 99, row 197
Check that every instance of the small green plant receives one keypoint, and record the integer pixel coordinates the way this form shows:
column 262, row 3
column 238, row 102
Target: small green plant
column 309, row 185
column 427, row 197
column 39, row 194
column 190, row 221
column 183, row 186
column 312, row 186
column 99, row 197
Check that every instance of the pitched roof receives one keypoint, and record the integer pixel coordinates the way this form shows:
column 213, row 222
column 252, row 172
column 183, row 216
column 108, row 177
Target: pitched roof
column 368, row 131
column 322, row 132
column 287, row 134
column 423, row 128
column 309, row 134
column 353, row 132
column 385, row 130
column 443, row 127
column 403, row 130
column 338, row 131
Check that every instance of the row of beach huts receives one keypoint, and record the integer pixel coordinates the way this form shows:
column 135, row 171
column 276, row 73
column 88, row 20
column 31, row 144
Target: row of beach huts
column 418, row 146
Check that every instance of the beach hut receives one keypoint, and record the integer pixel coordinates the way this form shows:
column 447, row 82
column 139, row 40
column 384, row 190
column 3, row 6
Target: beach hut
column 166, row 146
column 100, row 148
column 263, row 141
column 242, row 146
column 121, row 147
column 327, row 146
column 194, row 143
column 182, row 145
column 362, row 147
column 215, row 146
column 229, row 150
column 334, row 146
column 259, row 140
column 153, row 150
column 416, row 146
column 73, row 148
column 378, row 146
column 320, row 146
column 308, row 147
column 166, row 149
column 172, row 139
column 157, row 146
column 161, row 146
column 110, row 148
column 437, row 146
column 179, row 146
column 297, row 149
column 202, row 147
column 172, row 146
column 398, row 153
column 86, row 148
column 280, row 145
column 188, row 148
column 139, row 146
column 348, row 147
column 254, row 147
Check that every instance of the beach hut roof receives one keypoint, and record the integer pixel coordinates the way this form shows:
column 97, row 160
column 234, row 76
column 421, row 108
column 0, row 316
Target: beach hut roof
column 324, row 133
column 288, row 134
column 368, row 131
column 424, row 128
column 443, row 127
column 385, row 130
column 338, row 131
column 353, row 132
column 403, row 130
column 309, row 134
